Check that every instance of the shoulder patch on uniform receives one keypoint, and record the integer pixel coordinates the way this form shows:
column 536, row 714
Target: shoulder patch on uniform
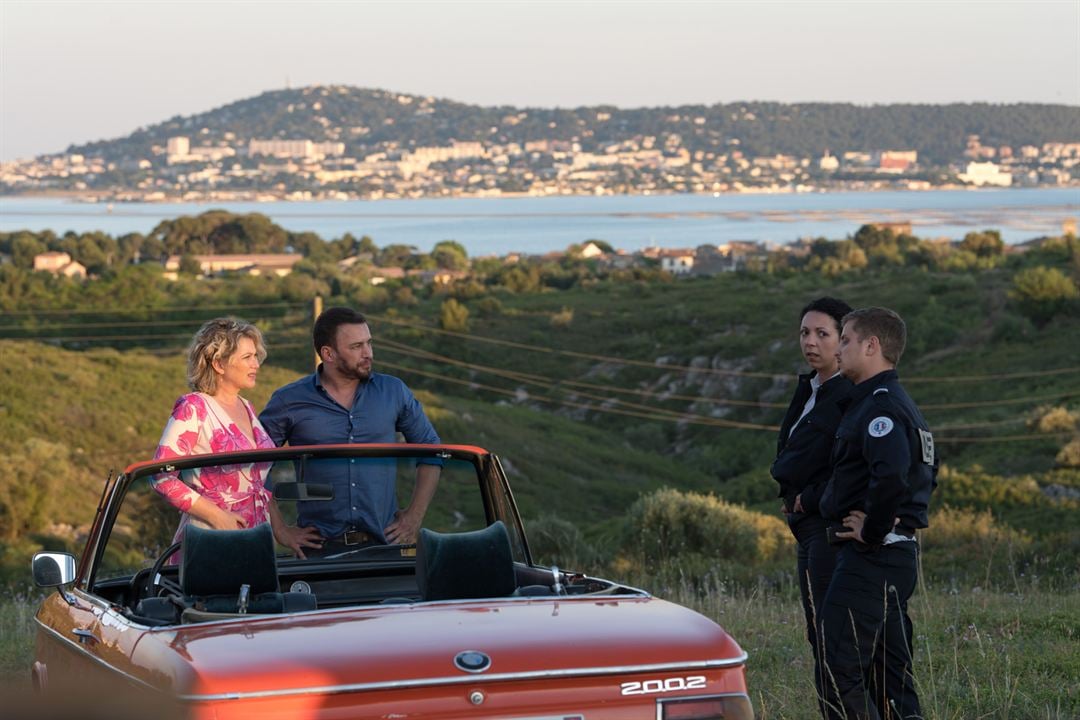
column 881, row 390
column 926, row 441
column 880, row 426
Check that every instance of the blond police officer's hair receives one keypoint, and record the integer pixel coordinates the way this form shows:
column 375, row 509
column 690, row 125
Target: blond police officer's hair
column 886, row 325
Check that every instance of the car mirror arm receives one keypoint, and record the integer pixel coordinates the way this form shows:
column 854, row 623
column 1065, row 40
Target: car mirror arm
column 557, row 586
column 71, row 599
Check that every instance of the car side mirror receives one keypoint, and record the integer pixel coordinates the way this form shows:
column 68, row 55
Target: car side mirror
column 303, row 491
column 52, row 569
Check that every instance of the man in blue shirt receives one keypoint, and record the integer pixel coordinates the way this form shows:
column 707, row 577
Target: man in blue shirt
column 344, row 401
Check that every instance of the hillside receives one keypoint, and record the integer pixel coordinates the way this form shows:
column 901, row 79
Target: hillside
column 106, row 407
column 598, row 385
column 70, row 418
column 364, row 118
column 720, row 350
column 604, row 391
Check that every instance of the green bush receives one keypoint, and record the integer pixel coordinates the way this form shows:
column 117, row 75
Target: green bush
column 970, row 546
column 1043, row 292
column 754, row 487
column 1012, row 328
column 987, row 244
column 563, row 318
column 489, row 307
column 453, row 316
column 1053, row 419
column 1069, row 456
column 668, row 525
column 29, row 482
column 554, row 541
column 1062, row 250
column 975, row 487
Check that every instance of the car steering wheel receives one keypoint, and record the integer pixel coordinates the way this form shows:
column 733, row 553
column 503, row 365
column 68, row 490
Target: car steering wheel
column 155, row 584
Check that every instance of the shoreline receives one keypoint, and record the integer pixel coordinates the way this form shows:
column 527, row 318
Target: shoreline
column 90, row 197
column 538, row 224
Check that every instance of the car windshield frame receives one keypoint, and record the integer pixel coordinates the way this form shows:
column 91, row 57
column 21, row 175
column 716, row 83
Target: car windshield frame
column 498, row 503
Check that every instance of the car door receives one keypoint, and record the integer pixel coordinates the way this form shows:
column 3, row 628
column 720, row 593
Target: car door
column 68, row 653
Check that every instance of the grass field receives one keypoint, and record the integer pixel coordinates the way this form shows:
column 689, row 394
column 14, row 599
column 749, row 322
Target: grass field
column 990, row 655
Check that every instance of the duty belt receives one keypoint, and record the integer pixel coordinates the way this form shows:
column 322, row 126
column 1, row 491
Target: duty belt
column 831, row 530
column 356, row 537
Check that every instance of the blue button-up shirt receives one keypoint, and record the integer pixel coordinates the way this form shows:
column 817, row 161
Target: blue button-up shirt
column 304, row 413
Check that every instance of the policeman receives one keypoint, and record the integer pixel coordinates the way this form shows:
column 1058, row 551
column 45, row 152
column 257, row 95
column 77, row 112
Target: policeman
column 884, row 470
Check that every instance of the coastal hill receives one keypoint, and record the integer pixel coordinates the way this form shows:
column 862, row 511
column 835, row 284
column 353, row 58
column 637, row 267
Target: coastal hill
column 364, row 119
column 341, row 143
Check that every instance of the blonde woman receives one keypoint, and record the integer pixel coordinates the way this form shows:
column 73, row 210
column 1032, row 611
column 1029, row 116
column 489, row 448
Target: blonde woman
column 223, row 360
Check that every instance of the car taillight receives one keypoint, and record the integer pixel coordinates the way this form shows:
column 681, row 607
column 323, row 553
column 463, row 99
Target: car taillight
column 715, row 707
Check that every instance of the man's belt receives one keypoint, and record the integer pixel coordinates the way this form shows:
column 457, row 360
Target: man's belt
column 831, row 530
column 355, row 537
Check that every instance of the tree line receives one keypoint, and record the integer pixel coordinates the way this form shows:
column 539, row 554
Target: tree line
column 1045, row 277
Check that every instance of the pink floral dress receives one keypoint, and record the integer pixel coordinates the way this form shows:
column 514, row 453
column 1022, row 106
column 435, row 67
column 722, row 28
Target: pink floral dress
column 198, row 425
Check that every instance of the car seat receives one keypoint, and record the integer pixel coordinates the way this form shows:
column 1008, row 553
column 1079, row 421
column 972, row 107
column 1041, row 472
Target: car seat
column 458, row 566
column 218, row 564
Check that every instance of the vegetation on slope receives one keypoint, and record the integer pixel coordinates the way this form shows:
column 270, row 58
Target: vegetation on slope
column 658, row 493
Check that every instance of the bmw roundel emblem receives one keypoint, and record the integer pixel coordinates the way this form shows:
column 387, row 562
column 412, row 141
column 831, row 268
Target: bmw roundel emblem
column 472, row 661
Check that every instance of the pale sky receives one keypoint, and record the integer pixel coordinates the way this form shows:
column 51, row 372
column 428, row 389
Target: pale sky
column 72, row 72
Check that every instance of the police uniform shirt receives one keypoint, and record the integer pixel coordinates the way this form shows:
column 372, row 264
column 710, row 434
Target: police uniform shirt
column 804, row 445
column 884, row 461
column 815, row 385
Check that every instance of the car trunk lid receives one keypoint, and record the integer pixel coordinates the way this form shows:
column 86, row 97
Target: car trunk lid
column 416, row 645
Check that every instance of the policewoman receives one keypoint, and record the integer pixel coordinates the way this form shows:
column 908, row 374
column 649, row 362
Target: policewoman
column 884, row 470
column 803, row 462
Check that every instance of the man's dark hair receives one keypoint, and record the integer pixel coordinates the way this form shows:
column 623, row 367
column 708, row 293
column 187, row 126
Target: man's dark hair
column 836, row 309
column 889, row 328
column 328, row 322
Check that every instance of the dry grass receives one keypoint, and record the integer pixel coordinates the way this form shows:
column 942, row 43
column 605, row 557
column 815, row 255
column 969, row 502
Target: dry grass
column 986, row 655
column 16, row 640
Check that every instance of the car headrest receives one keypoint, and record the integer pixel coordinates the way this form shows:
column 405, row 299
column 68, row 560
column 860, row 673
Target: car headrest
column 218, row 562
column 457, row 566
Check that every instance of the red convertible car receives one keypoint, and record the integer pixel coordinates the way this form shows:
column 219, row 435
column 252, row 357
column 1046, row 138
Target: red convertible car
column 463, row 624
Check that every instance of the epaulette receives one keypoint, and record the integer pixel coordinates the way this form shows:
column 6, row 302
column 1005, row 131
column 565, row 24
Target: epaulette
column 882, row 398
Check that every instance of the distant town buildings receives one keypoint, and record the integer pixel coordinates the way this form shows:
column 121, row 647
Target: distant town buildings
column 178, row 146
column 898, row 161
column 209, row 166
column 591, row 250
column 828, row 162
column 295, row 148
column 59, row 263
column 279, row 264
column 676, row 262
column 985, row 173
column 707, row 259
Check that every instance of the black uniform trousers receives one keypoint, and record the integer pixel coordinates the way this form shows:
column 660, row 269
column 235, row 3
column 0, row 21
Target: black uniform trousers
column 816, row 559
column 866, row 633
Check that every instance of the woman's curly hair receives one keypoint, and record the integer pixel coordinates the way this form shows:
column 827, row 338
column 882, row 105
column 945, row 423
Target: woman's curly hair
column 216, row 341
